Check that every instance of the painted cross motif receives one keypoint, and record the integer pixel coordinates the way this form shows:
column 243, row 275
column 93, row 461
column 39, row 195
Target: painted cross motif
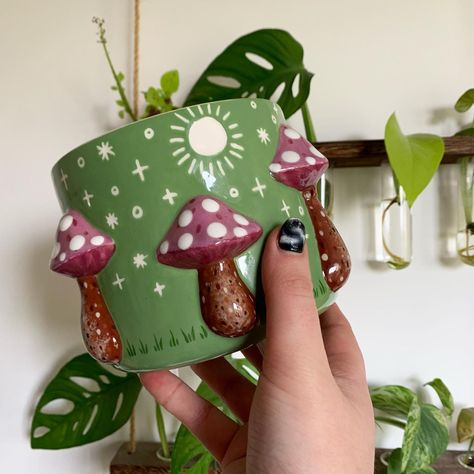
column 259, row 188
column 118, row 281
column 139, row 170
column 87, row 197
column 169, row 196
column 64, row 178
column 159, row 288
column 104, row 150
column 285, row 208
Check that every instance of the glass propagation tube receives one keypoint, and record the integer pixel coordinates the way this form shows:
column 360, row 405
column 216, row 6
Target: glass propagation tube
column 465, row 234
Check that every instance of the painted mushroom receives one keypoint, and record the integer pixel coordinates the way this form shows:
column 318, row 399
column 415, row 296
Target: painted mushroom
column 206, row 236
column 81, row 251
column 300, row 165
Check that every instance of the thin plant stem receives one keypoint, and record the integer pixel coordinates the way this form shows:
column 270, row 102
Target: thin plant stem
column 308, row 123
column 391, row 421
column 469, row 451
column 120, row 90
column 160, row 423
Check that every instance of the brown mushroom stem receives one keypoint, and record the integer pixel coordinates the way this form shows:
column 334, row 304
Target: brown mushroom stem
column 227, row 305
column 98, row 329
column 335, row 259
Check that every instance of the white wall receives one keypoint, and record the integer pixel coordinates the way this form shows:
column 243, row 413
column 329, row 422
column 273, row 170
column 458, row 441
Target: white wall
column 370, row 58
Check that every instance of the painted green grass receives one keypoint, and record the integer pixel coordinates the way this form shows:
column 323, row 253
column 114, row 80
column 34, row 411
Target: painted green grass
column 130, row 348
column 203, row 332
column 189, row 336
column 158, row 345
column 320, row 290
column 174, row 341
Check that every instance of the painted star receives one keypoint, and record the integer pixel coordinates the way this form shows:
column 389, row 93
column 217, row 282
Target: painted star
column 139, row 260
column 112, row 220
column 263, row 135
column 169, row 196
column 159, row 288
column 105, row 149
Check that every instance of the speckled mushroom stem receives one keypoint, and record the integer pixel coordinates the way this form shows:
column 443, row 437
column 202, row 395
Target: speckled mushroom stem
column 335, row 259
column 98, row 329
column 227, row 305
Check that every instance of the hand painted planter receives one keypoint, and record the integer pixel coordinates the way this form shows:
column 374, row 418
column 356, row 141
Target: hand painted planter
column 164, row 224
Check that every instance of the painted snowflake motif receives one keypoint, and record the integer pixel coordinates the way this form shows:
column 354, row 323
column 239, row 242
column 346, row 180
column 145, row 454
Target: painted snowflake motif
column 169, row 196
column 263, row 135
column 104, row 150
column 112, row 220
column 139, row 260
column 159, row 288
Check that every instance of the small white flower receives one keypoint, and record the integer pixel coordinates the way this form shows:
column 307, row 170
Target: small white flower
column 263, row 135
column 112, row 220
column 105, row 149
column 139, row 260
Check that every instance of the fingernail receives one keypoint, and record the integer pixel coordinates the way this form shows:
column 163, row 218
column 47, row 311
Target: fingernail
column 292, row 236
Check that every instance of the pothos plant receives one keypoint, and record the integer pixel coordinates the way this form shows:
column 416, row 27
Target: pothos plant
column 425, row 426
column 95, row 401
column 466, row 180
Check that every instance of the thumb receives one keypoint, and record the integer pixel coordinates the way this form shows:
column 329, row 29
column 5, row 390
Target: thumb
column 294, row 342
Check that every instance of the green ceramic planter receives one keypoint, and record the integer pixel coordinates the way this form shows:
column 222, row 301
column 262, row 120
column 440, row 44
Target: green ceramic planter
column 124, row 191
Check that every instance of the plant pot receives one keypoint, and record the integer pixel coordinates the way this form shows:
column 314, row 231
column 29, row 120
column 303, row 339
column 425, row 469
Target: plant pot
column 466, row 461
column 465, row 234
column 393, row 224
column 159, row 205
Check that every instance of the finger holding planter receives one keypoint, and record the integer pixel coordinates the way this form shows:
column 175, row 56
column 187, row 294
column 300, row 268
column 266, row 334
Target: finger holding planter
column 206, row 236
column 81, row 251
column 299, row 165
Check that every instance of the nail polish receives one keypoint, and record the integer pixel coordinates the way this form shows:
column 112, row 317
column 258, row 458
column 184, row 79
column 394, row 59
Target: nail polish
column 292, row 236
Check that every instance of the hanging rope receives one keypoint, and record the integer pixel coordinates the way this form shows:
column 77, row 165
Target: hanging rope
column 136, row 54
column 132, row 445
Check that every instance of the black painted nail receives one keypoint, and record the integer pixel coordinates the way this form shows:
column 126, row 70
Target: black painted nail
column 292, row 236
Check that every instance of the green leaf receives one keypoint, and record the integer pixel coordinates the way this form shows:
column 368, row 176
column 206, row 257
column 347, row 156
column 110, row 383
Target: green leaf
column 155, row 97
column 392, row 399
column 465, row 424
column 120, row 76
column 170, row 82
column 244, row 367
column 121, row 114
column 444, row 395
column 395, row 462
column 467, row 132
column 189, row 455
column 426, row 437
column 413, row 158
column 464, row 103
column 425, row 470
column 257, row 65
column 96, row 411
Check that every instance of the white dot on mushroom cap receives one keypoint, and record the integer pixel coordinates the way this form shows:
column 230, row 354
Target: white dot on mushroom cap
column 210, row 205
column 216, row 230
column 97, row 240
column 275, row 167
column 56, row 250
column 165, row 245
column 185, row 218
column 65, row 223
column 314, row 151
column 321, row 233
column 62, row 257
column 185, row 241
column 310, row 160
column 324, row 257
column 240, row 219
column 240, row 232
column 290, row 156
column 77, row 242
column 290, row 133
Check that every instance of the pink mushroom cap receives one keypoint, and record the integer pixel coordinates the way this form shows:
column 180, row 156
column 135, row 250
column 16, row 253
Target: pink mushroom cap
column 80, row 249
column 206, row 231
column 297, row 163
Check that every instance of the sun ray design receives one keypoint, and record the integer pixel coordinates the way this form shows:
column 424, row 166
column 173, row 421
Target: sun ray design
column 205, row 141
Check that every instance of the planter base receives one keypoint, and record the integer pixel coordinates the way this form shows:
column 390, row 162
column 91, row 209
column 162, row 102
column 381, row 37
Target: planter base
column 142, row 461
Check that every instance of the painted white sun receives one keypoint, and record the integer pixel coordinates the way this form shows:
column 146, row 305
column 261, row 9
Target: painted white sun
column 139, row 260
column 206, row 139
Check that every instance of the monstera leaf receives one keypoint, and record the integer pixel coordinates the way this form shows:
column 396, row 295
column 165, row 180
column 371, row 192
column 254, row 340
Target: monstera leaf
column 266, row 63
column 83, row 403
column 189, row 455
column 413, row 158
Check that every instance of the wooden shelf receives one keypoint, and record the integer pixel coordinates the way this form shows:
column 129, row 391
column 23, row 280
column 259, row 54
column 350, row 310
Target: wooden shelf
column 360, row 153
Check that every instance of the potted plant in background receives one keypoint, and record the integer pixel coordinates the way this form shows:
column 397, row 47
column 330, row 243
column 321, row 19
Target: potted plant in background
column 465, row 432
column 465, row 235
column 425, row 426
column 413, row 161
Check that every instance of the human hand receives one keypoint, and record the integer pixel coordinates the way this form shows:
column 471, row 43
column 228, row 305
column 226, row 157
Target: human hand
column 310, row 411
